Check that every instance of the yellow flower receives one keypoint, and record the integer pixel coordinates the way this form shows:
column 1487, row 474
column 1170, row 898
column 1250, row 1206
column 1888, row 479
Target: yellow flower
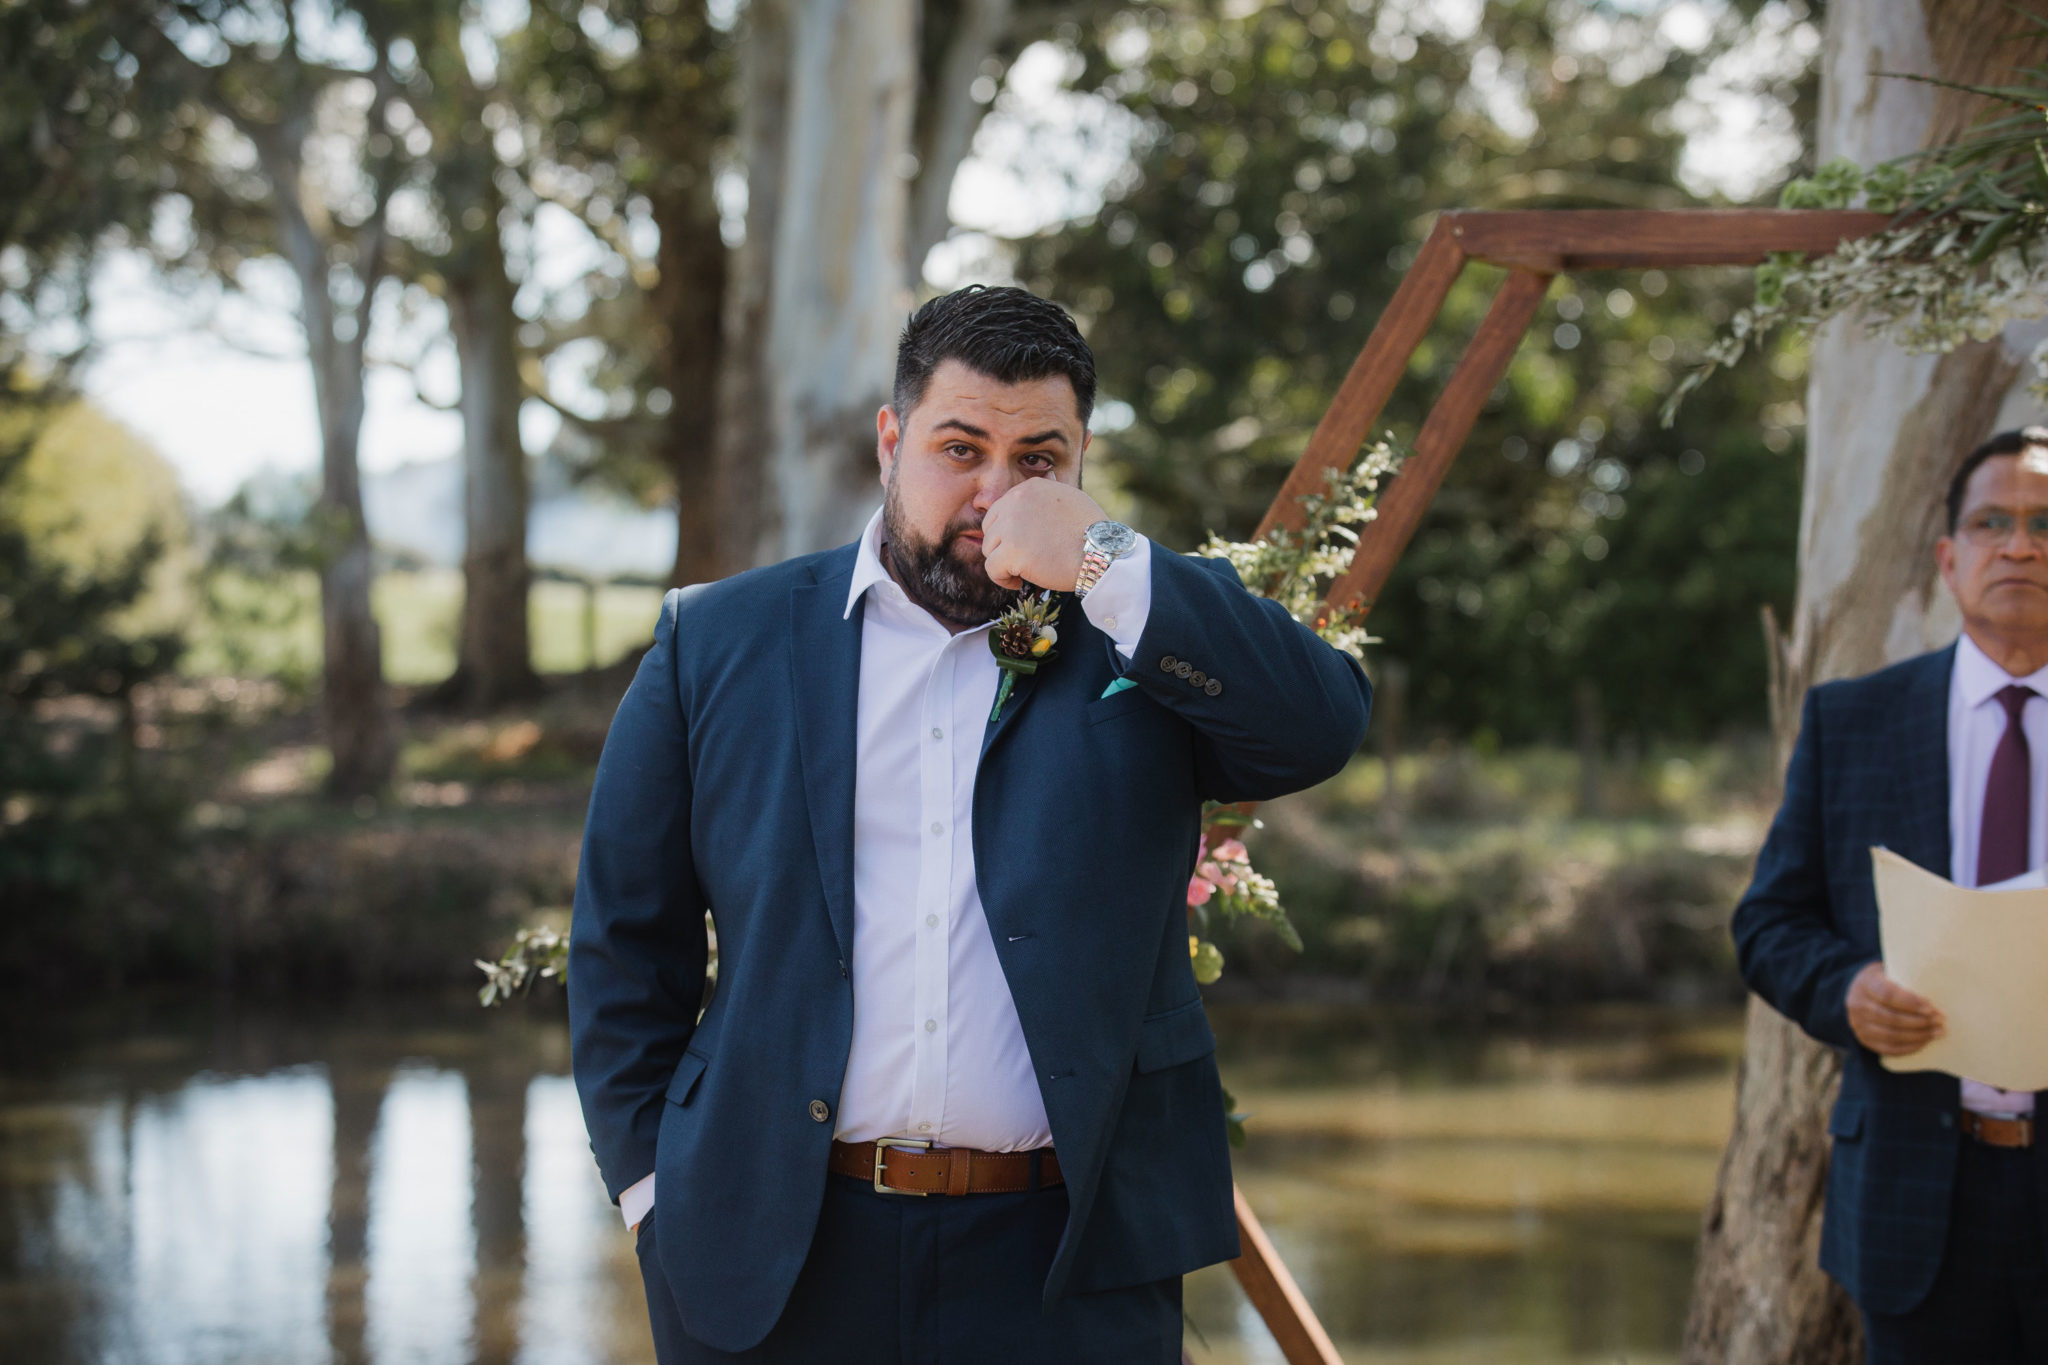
column 1040, row 646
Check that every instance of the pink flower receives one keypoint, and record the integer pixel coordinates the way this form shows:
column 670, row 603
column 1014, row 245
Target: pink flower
column 1199, row 891
column 1226, row 881
column 1230, row 851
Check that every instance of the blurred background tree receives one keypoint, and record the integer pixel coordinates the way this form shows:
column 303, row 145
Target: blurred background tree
column 1287, row 161
column 83, row 823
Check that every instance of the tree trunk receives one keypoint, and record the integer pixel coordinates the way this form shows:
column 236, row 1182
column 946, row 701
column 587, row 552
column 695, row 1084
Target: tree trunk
column 1884, row 433
column 494, row 657
column 354, row 708
column 689, row 300
column 954, row 38
column 820, row 291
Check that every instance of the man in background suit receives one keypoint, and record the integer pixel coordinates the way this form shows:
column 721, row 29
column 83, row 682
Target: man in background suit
column 954, row 1097
column 1936, row 1217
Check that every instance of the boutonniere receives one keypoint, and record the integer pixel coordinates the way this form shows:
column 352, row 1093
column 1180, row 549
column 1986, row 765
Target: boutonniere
column 1022, row 638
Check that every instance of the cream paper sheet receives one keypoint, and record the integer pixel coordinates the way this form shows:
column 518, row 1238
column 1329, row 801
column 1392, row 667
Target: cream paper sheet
column 1981, row 957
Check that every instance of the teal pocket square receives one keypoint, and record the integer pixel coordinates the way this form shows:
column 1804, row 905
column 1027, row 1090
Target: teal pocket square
column 1117, row 686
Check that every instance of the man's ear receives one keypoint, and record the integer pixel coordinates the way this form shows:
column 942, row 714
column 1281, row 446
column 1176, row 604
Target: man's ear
column 1945, row 560
column 888, row 437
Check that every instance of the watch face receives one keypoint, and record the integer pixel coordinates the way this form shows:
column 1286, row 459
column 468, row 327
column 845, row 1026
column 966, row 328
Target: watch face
column 1113, row 538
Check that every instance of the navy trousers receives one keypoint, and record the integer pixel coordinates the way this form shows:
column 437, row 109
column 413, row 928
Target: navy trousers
column 1989, row 1303
column 943, row 1280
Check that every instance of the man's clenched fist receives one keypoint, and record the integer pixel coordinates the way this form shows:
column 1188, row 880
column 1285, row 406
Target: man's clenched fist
column 1035, row 534
column 1889, row 1019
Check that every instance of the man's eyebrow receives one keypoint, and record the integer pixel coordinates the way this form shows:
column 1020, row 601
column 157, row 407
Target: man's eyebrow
column 1038, row 438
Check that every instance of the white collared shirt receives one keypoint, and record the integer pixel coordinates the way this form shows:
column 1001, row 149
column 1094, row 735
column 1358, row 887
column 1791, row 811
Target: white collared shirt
column 938, row 1054
column 1976, row 722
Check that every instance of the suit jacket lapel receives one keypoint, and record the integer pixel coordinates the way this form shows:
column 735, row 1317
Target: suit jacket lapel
column 1920, row 730
column 824, row 658
column 1020, row 694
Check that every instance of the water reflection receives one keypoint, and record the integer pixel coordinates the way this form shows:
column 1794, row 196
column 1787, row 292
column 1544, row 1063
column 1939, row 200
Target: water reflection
column 418, row 1189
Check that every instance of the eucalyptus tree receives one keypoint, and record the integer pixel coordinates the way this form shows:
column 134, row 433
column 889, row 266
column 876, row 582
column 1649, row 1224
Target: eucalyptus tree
column 299, row 156
column 80, row 132
column 457, row 250
column 741, row 355
column 628, row 109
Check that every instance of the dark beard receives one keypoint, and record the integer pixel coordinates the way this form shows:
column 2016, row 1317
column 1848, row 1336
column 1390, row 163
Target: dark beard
column 937, row 579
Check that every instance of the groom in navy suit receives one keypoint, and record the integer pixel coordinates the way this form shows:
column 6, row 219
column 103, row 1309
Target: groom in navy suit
column 953, row 1096
column 1937, row 1202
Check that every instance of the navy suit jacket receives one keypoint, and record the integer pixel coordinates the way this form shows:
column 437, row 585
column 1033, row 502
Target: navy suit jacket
column 1870, row 767
column 727, row 784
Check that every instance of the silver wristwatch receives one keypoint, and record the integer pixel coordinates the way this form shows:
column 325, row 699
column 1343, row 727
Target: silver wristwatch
column 1108, row 541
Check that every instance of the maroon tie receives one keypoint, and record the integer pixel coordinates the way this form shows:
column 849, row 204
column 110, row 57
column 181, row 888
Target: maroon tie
column 2002, row 848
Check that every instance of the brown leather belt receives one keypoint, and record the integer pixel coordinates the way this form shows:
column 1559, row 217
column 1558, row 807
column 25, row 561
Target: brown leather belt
column 898, row 1166
column 2013, row 1132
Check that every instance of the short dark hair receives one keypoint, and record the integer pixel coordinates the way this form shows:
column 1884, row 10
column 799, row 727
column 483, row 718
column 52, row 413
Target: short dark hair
column 2004, row 443
column 1009, row 334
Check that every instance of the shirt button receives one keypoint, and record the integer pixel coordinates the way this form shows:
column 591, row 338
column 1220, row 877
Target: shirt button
column 931, row 1026
column 938, row 828
column 937, row 733
column 924, row 1127
column 820, row 1111
column 931, row 921
column 1109, row 623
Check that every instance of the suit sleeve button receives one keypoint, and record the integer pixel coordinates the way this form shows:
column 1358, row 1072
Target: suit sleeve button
column 1166, row 663
column 820, row 1111
column 1213, row 688
column 1183, row 668
column 1197, row 678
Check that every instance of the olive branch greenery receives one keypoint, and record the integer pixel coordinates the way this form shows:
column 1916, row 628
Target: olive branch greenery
column 1295, row 569
column 1962, row 257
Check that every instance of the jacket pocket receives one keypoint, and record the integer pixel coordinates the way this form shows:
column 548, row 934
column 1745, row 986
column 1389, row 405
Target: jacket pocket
column 1845, row 1120
column 1175, row 1036
column 1119, row 704
column 688, row 1073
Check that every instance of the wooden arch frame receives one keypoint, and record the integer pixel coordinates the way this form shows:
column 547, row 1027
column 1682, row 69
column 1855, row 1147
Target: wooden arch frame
column 1535, row 246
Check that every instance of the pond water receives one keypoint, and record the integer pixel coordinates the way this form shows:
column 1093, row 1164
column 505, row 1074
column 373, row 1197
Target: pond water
column 411, row 1184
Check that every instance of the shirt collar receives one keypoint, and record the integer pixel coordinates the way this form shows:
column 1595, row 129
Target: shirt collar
column 868, row 568
column 1978, row 679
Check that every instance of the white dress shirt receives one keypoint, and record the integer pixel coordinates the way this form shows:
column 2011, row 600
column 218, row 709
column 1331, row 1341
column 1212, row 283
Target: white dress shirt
column 938, row 1054
column 1976, row 722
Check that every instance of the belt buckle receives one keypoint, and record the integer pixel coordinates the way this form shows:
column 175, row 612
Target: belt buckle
column 882, row 1146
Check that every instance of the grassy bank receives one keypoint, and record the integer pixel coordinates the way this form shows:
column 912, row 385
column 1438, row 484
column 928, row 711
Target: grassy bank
column 1472, row 878
column 270, row 628
column 1505, row 877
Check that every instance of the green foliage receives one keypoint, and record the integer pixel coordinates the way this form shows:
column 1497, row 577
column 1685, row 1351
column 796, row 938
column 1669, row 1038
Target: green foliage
column 1959, row 263
column 538, row 953
column 1289, row 159
column 82, row 826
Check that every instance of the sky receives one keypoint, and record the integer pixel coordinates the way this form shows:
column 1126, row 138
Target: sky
column 223, row 410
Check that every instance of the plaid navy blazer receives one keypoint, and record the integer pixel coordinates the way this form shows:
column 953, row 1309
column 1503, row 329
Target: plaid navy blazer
column 1870, row 767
